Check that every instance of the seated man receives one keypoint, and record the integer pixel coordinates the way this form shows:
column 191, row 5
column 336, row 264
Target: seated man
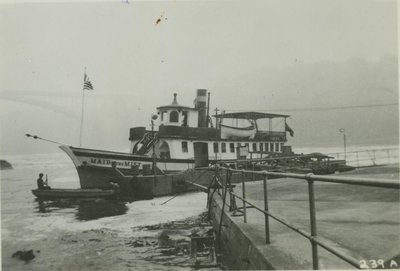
column 42, row 185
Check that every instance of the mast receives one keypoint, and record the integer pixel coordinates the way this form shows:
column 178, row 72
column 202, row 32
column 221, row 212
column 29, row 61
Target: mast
column 216, row 133
column 87, row 85
column 82, row 112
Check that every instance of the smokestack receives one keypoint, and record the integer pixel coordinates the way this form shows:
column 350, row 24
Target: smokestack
column 201, row 103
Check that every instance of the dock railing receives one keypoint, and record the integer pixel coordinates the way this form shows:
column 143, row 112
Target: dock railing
column 368, row 157
column 310, row 178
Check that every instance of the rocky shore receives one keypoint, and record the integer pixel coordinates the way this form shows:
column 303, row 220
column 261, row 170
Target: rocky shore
column 154, row 247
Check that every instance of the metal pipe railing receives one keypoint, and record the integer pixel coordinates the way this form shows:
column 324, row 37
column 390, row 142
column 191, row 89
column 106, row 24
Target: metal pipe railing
column 244, row 199
column 313, row 224
column 329, row 179
column 267, row 240
column 310, row 178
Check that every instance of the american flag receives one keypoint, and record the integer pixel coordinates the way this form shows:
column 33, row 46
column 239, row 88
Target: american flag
column 86, row 83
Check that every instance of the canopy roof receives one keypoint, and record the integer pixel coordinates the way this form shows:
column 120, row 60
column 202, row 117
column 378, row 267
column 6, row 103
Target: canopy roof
column 250, row 115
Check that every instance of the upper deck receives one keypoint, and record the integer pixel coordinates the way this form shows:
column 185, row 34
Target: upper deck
column 175, row 121
column 203, row 134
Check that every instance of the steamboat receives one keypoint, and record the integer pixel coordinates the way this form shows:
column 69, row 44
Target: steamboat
column 183, row 138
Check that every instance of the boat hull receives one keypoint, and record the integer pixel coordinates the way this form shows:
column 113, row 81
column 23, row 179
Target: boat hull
column 73, row 193
column 95, row 170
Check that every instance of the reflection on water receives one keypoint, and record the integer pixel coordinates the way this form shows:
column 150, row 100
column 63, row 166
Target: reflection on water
column 87, row 209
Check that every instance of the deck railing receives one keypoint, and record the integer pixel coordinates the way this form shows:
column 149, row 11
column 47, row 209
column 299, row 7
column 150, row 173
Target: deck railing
column 315, row 240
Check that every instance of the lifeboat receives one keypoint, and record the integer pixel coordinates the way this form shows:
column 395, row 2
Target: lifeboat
column 228, row 132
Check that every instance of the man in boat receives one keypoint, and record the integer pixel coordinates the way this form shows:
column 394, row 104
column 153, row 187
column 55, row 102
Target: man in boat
column 42, row 185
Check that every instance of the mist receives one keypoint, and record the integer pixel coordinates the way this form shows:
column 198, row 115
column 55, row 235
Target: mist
column 330, row 65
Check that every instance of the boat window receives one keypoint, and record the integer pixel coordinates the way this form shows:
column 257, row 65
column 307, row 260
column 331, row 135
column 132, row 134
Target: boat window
column 162, row 115
column 173, row 116
column 184, row 146
column 261, row 147
column 254, row 146
column 232, row 147
column 185, row 118
column 266, row 147
column 223, row 147
column 165, row 155
column 215, row 147
column 277, row 147
column 247, row 145
column 271, row 147
column 281, row 146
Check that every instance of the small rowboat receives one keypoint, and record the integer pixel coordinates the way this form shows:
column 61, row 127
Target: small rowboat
column 73, row 193
column 237, row 132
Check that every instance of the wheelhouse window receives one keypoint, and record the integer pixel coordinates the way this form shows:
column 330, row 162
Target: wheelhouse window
column 185, row 118
column 277, row 147
column 173, row 116
column 232, row 147
column 261, row 147
column 215, row 147
column 254, row 146
column 266, row 147
column 247, row 145
column 271, row 147
column 184, row 146
column 223, row 147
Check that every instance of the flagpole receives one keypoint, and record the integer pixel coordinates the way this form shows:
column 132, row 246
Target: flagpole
column 83, row 104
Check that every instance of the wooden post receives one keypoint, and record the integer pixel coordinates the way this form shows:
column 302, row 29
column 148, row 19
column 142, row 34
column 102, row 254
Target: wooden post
column 244, row 198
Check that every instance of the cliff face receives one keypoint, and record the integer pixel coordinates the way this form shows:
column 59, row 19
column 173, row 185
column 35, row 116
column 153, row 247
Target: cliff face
column 5, row 165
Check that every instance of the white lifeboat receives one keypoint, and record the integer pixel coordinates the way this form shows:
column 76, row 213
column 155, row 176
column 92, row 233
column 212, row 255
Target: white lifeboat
column 229, row 132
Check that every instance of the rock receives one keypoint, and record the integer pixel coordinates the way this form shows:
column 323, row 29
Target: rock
column 194, row 232
column 5, row 165
column 170, row 252
column 138, row 243
column 25, row 255
column 164, row 240
column 197, row 265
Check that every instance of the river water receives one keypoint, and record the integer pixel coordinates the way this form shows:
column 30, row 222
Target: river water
column 90, row 234
column 102, row 234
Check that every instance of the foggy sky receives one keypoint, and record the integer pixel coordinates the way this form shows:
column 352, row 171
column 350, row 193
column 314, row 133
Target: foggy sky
column 251, row 55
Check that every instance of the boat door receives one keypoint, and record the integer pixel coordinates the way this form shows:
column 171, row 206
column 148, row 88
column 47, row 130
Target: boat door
column 200, row 154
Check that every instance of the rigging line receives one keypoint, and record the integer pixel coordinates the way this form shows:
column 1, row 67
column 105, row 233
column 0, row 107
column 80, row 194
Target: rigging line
column 321, row 108
column 44, row 139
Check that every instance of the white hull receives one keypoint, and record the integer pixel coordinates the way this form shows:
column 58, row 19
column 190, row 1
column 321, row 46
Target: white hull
column 95, row 166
